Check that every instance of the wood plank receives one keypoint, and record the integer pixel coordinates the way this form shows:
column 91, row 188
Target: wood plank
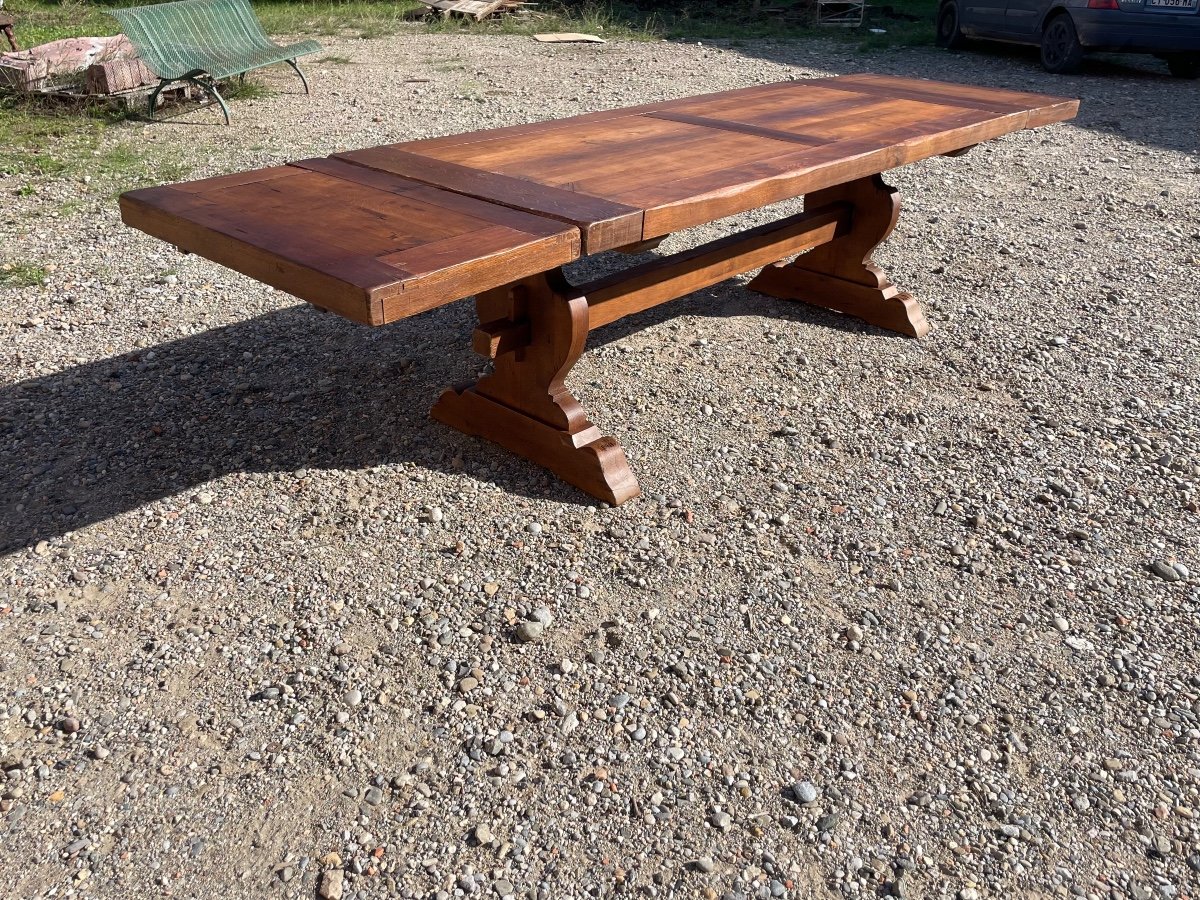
column 836, row 121
column 602, row 223
column 325, row 281
column 482, row 211
column 211, row 184
column 741, row 127
column 427, row 146
column 673, row 206
column 473, row 272
column 370, row 254
column 944, row 94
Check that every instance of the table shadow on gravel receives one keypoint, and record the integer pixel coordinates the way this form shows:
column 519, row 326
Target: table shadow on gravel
column 313, row 392
column 104, row 438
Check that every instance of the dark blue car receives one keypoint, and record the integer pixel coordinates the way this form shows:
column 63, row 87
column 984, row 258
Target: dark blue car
column 1067, row 29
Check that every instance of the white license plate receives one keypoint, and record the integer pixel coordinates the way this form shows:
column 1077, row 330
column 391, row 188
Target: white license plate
column 1172, row 4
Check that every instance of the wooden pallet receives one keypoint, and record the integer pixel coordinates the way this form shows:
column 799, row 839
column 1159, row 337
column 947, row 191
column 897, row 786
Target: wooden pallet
column 476, row 9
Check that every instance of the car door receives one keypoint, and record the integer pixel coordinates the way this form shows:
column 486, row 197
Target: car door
column 1023, row 18
column 983, row 18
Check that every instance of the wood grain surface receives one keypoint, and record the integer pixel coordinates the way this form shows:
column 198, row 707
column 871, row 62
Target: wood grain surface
column 387, row 232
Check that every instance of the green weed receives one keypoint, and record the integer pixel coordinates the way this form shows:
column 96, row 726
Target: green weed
column 22, row 274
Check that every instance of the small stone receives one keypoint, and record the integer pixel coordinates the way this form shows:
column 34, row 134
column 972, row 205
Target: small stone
column 722, row 820
column 541, row 614
column 503, row 887
column 100, row 752
column 374, row 796
column 483, row 833
column 353, row 697
column 1061, row 624
column 468, row 684
column 706, row 865
column 805, row 792
column 68, row 725
column 854, row 633
column 1161, row 846
column 331, row 884
column 1163, row 570
column 534, row 528
column 566, row 667
column 530, row 632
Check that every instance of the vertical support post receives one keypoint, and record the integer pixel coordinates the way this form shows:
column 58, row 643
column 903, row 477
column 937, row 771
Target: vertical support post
column 524, row 404
column 841, row 275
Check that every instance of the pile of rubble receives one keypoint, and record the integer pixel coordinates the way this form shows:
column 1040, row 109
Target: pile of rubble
column 87, row 66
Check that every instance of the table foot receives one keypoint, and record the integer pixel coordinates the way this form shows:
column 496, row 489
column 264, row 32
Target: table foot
column 840, row 275
column 536, row 331
column 593, row 463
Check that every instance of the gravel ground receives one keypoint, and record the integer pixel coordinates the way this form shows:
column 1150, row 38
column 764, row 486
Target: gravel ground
column 893, row 618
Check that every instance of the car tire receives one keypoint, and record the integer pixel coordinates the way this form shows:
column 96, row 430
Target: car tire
column 1184, row 65
column 949, row 33
column 1061, row 51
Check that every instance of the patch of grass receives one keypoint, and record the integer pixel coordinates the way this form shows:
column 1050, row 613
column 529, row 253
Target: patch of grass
column 40, row 21
column 69, row 207
column 589, row 17
column 336, row 60
column 35, row 143
column 22, row 274
column 44, row 141
column 362, row 18
column 245, row 90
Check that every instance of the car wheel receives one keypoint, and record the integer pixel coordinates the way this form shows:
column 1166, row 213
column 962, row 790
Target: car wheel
column 1061, row 50
column 949, row 34
column 1184, row 65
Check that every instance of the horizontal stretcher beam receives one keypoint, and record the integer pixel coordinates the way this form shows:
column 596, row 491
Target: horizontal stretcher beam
column 647, row 285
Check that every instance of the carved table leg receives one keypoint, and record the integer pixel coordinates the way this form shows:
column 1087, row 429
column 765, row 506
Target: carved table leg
column 840, row 274
column 536, row 331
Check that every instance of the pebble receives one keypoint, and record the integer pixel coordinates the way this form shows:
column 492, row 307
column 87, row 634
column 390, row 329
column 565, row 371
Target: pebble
column 529, row 632
column 1163, row 570
column 805, row 792
column 331, row 884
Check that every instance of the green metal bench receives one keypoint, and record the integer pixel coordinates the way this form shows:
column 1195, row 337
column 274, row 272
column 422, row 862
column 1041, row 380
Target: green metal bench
column 204, row 41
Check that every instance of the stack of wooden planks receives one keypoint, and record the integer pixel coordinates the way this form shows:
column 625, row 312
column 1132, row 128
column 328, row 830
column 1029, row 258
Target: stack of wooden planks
column 476, row 9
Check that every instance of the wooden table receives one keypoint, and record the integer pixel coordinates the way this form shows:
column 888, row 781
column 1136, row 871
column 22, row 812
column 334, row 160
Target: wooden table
column 379, row 234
